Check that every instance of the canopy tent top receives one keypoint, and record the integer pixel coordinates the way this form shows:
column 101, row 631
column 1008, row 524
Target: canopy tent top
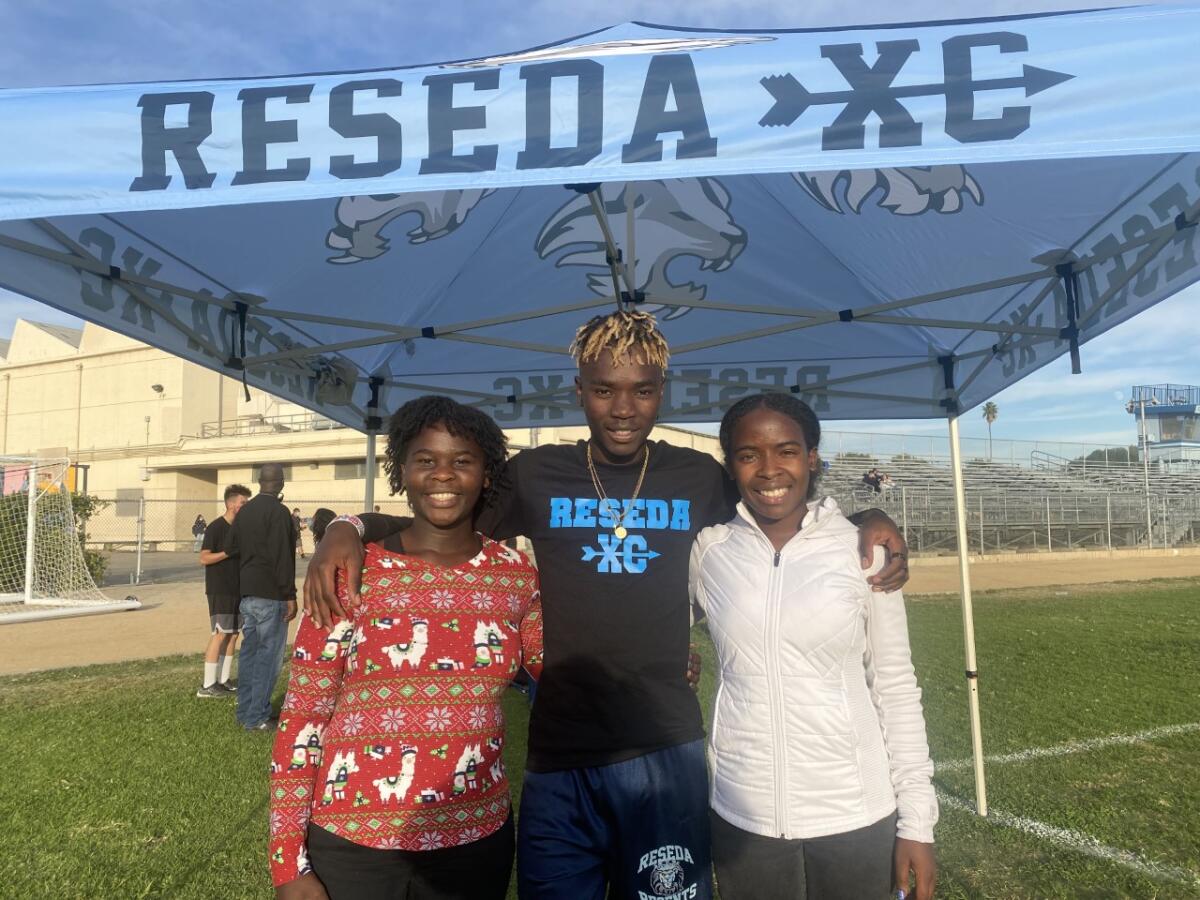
column 891, row 221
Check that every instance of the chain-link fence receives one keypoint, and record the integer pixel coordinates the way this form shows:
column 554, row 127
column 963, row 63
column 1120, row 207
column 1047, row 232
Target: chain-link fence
column 1001, row 521
column 155, row 540
column 148, row 539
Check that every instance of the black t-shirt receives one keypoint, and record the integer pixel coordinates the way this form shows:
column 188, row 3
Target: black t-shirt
column 264, row 541
column 220, row 579
column 615, row 612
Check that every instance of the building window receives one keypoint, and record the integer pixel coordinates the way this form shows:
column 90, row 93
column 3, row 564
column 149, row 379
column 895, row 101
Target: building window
column 1178, row 428
column 257, row 471
column 352, row 469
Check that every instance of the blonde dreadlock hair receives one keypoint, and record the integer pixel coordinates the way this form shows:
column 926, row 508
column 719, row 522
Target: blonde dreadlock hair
column 629, row 335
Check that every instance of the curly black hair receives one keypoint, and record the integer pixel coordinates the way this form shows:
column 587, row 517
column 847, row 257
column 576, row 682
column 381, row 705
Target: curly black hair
column 785, row 404
column 461, row 421
column 320, row 521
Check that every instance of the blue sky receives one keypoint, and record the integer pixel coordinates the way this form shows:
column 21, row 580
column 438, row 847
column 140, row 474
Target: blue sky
column 76, row 42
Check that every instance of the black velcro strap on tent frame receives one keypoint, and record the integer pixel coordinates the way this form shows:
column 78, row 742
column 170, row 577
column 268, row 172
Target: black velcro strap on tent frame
column 583, row 188
column 845, row 315
column 1070, row 280
column 972, row 674
column 950, row 404
column 633, row 299
column 237, row 342
column 373, row 421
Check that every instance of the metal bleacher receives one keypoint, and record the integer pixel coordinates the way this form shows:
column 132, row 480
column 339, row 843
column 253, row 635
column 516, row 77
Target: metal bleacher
column 1031, row 500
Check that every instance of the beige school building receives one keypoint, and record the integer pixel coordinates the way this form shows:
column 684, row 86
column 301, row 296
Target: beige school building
column 161, row 437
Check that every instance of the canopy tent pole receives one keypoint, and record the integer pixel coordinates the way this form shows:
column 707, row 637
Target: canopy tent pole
column 31, row 477
column 373, row 423
column 630, row 247
column 369, row 475
column 964, row 572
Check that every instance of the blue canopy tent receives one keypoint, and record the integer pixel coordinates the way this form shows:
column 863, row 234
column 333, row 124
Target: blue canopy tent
column 891, row 221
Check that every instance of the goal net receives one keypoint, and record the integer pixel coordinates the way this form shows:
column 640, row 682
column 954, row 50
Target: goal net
column 43, row 572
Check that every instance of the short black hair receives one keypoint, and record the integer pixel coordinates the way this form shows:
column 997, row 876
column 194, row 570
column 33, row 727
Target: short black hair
column 236, row 490
column 461, row 421
column 785, row 404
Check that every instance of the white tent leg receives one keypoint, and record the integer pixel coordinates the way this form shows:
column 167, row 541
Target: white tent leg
column 30, row 529
column 964, row 571
column 369, row 492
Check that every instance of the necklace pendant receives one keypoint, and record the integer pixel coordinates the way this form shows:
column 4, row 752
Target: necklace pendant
column 620, row 532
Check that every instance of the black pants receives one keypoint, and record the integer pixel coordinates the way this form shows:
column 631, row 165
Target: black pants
column 854, row 865
column 350, row 871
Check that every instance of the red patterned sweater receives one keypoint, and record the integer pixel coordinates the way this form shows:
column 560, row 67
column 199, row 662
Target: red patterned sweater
column 391, row 731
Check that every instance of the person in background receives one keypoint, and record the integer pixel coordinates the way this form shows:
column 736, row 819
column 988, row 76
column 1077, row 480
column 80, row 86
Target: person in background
column 198, row 528
column 871, row 480
column 821, row 777
column 263, row 538
column 224, row 596
column 319, row 522
column 298, row 526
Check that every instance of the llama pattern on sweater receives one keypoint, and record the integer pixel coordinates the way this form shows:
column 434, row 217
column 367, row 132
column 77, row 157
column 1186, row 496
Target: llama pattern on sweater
column 391, row 732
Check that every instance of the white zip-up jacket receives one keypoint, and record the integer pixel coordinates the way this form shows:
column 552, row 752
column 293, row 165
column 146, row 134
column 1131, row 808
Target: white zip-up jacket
column 818, row 727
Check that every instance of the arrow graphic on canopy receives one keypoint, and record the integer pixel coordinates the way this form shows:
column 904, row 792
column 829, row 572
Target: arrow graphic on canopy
column 792, row 98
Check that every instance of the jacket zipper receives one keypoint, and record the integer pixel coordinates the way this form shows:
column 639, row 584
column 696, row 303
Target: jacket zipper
column 774, row 680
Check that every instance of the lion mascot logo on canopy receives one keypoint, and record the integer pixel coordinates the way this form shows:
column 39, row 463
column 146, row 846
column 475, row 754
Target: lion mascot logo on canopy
column 356, row 236
column 672, row 219
column 908, row 191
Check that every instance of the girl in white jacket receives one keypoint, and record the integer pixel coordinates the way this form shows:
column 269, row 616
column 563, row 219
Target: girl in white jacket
column 821, row 772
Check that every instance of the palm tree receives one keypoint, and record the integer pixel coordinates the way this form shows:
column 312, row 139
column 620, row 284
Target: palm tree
column 990, row 413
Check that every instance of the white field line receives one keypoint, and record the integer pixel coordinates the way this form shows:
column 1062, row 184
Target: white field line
column 1112, row 740
column 1080, row 843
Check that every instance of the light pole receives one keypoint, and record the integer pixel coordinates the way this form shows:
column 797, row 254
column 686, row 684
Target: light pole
column 1141, row 403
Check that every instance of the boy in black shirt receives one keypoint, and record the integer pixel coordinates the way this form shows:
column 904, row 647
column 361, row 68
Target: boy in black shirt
column 263, row 539
column 224, row 597
column 616, row 787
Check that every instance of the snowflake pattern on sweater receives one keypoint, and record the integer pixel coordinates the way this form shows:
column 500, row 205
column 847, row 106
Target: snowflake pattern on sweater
column 391, row 731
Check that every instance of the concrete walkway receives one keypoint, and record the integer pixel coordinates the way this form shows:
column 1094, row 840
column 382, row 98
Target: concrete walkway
column 174, row 617
column 173, row 620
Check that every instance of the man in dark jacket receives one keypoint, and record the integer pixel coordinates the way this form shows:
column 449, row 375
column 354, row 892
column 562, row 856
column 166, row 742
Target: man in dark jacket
column 263, row 538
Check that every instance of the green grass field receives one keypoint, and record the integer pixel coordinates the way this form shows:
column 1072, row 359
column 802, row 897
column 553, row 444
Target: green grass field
column 120, row 784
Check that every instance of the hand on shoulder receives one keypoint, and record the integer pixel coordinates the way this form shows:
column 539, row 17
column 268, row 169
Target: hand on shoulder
column 340, row 551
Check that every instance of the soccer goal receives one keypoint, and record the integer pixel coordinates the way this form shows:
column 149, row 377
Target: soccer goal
column 43, row 574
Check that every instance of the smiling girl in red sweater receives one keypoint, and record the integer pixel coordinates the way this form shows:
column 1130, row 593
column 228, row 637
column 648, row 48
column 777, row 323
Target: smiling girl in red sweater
column 386, row 774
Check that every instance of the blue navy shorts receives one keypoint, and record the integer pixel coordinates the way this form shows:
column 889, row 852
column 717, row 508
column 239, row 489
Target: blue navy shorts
column 640, row 826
